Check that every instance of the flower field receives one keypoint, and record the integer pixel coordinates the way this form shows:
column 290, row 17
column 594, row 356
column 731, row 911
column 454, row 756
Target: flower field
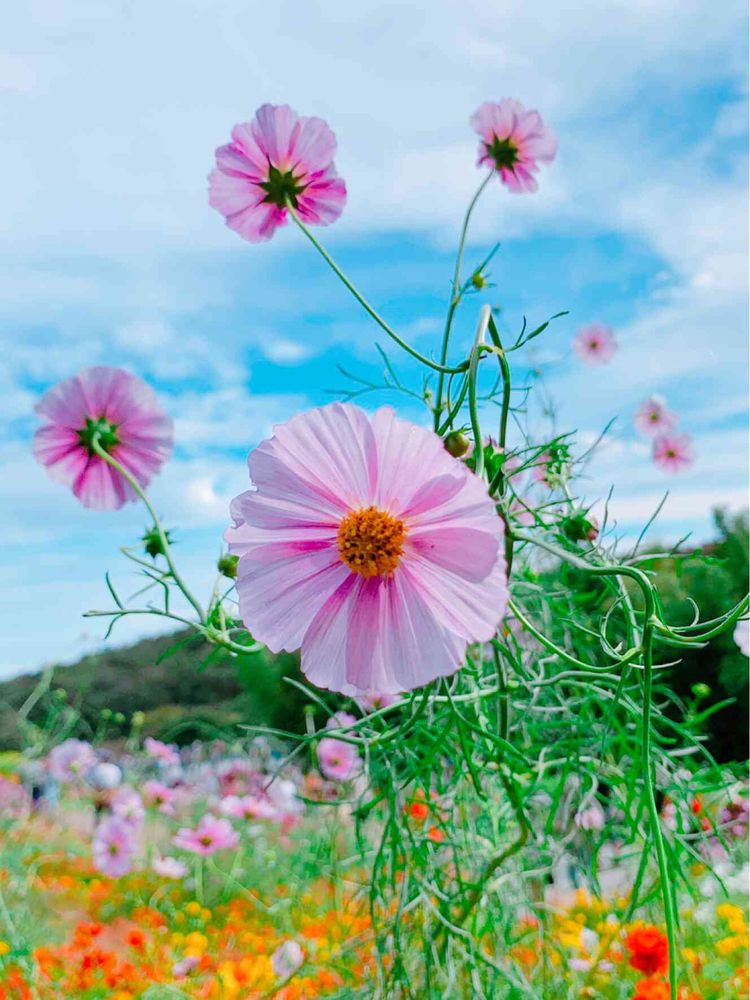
column 219, row 885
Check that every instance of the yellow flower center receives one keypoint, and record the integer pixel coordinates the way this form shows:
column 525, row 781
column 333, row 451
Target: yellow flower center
column 371, row 541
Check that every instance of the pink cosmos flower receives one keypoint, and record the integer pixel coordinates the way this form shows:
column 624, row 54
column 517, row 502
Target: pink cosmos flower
column 338, row 761
column 652, row 417
column 211, row 835
column 376, row 699
column 123, row 412
column 369, row 546
column 183, row 968
column 128, row 806
column 113, row 846
column 595, row 344
column 169, row 867
column 673, row 452
column 514, row 142
column 165, row 753
column 275, row 158
column 160, row 796
column 247, row 807
column 71, row 760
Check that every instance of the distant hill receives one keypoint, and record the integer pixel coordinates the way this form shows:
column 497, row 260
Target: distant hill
column 185, row 687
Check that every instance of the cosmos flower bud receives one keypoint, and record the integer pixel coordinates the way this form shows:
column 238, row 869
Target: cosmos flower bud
column 701, row 690
column 152, row 542
column 580, row 527
column 456, row 444
column 478, row 280
column 227, row 566
column 137, row 720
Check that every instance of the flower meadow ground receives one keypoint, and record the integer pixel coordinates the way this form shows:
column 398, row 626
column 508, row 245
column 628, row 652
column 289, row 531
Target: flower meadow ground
column 276, row 900
column 495, row 793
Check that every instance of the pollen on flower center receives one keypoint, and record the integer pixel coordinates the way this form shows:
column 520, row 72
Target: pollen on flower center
column 371, row 541
column 503, row 152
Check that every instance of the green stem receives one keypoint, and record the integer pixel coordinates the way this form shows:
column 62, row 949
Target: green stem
column 118, row 467
column 476, row 352
column 368, row 308
column 456, row 294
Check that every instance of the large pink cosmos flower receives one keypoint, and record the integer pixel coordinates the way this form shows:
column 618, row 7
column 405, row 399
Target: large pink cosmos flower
column 514, row 142
column 70, row 760
column 673, row 452
column 276, row 157
column 652, row 417
column 369, row 546
column 113, row 846
column 125, row 415
column 211, row 835
column 595, row 344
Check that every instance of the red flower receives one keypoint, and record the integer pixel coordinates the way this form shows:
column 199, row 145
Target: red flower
column 649, row 950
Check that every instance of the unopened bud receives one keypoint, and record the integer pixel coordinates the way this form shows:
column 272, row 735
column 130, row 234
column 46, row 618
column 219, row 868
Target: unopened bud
column 457, row 444
column 137, row 719
column 701, row 690
column 152, row 542
column 478, row 280
column 580, row 527
column 227, row 566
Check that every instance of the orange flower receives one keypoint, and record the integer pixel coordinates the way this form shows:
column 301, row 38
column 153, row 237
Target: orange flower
column 649, row 949
column 651, row 989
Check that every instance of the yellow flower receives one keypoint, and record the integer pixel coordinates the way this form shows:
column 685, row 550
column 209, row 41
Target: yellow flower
column 734, row 917
column 197, row 941
column 193, row 908
column 205, row 914
column 729, row 944
column 4, row 947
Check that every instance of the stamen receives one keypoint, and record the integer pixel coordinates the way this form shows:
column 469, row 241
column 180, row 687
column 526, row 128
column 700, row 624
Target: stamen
column 371, row 541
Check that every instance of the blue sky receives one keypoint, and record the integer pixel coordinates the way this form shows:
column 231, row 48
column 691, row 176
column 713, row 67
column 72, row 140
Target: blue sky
column 110, row 254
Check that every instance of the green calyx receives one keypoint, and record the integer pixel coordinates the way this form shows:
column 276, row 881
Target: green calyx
column 100, row 430
column 281, row 189
column 503, row 152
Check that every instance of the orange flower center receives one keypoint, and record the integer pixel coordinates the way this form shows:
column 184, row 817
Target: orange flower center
column 371, row 541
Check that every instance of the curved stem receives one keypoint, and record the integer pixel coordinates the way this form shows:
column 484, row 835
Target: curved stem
column 456, row 293
column 368, row 308
column 118, row 467
column 476, row 353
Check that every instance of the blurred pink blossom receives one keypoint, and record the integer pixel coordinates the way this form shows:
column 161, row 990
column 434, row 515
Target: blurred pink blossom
column 123, row 414
column 165, row 753
column 741, row 635
column 673, row 452
column 71, row 760
column 211, row 835
column 169, row 867
column 514, row 142
column 652, row 417
column 128, row 806
column 160, row 796
column 338, row 761
column 247, row 807
column 287, row 958
column 595, row 344
column 113, row 847
column 375, row 700
column 275, row 158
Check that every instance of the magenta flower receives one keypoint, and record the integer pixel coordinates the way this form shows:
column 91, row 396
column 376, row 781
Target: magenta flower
column 338, row 761
column 113, row 847
column 514, row 142
column 248, row 807
column 276, row 159
column 369, row 546
column 160, row 796
column 652, row 417
column 165, row 754
column 211, row 835
column 595, row 344
column 71, row 760
column 169, row 867
column 673, row 452
column 125, row 416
